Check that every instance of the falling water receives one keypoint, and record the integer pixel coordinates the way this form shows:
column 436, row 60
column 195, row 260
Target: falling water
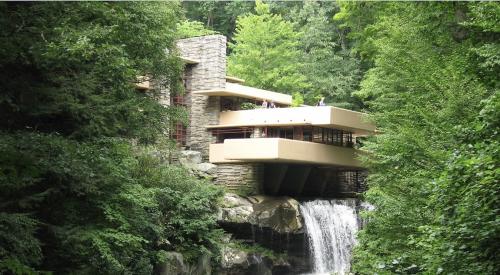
column 331, row 228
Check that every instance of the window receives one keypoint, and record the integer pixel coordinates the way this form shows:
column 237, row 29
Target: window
column 230, row 133
column 179, row 134
column 179, row 129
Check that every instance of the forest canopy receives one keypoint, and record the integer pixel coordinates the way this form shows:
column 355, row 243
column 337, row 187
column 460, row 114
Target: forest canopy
column 86, row 185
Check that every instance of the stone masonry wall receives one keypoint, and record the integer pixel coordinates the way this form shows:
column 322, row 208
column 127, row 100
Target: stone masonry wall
column 240, row 176
column 209, row 73
column 163, row 95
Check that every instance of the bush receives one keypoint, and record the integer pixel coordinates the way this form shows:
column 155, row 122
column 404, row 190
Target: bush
column 297, row 99
column 98, row 207
column 187, row 29
column 248, row 106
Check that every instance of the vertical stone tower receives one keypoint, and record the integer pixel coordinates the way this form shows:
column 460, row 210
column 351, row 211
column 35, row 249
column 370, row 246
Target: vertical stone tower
column 208, row 72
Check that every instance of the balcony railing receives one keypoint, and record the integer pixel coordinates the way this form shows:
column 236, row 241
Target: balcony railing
column 325, row 116
column 302, row 133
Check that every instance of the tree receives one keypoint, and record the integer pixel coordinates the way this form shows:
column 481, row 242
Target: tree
column 265, row 52
column 466, row 196
column 98, row 207
column 189, row 28
column 427, row 77
column 66, row 68
column 219, row 16
column 328, row 63
column 85, row 188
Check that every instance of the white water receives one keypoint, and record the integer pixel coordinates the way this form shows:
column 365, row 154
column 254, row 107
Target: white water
column 331, row 227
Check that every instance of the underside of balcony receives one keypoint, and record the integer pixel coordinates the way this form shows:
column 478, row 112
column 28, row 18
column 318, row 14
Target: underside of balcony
column 279, row 150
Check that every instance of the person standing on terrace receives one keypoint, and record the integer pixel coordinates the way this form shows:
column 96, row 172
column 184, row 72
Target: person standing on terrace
column 271, row 105
column 321, row 102
column 264, row 104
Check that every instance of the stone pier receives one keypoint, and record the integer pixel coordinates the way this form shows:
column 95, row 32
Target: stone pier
column 208, row 73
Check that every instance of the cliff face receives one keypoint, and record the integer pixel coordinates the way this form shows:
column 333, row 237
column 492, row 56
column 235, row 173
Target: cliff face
column 269, row 233
column 281, row 214
column 265, row 234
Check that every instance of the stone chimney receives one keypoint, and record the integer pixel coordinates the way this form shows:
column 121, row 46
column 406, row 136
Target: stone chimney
column 208, row 73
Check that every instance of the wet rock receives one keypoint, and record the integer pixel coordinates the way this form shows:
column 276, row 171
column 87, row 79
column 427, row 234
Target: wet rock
column 236, row 262
column 281, row 214
column 235, row 209
column 274, row 223
column 202, row 266
column 234, row 258
column 173, row 265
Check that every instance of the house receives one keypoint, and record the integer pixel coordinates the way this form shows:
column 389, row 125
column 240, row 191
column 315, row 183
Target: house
column 297, row 151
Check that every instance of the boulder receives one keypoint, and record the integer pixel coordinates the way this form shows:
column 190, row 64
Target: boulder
column 190, row 158
column 202, row 266
column 233, row 258
column 207, row 167
column 274, row 223
column 235, row 209
column 235, row 261
column 281, row 214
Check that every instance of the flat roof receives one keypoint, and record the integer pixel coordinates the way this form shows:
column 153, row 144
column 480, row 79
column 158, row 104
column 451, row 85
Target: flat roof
column 188, row 60
column 238, row 90
column 233, row 79
column 321, row 116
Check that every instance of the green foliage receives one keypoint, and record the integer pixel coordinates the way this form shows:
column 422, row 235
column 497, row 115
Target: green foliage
column 189, row 28
column 99, row 207
column 265, row 52
column 13, row 266
column 318, row 49
column 467, row 196
column 81, row 193
column 19, row 246
column 297, row 99
column 71, row 67
column 248, row 106
column 328, row 63
column 217, row 15
column 435, row 191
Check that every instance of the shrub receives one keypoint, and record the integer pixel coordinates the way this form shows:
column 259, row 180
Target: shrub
column 98, row 207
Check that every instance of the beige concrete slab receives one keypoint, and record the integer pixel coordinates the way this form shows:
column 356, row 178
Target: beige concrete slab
column 216, row 154
column 324, row 116
column 233, row 79
column 284, row 151
column 188, row 60
column 233, row 89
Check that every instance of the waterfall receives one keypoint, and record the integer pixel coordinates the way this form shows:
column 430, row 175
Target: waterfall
column 331, row 227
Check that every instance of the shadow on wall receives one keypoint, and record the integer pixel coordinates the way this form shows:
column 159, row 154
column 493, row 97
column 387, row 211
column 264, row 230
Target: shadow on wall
column 299, row 180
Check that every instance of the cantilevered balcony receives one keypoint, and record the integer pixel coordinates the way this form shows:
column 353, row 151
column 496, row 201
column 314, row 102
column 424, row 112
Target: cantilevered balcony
column 233, row 89
column 281, row 150
column 324, row 116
